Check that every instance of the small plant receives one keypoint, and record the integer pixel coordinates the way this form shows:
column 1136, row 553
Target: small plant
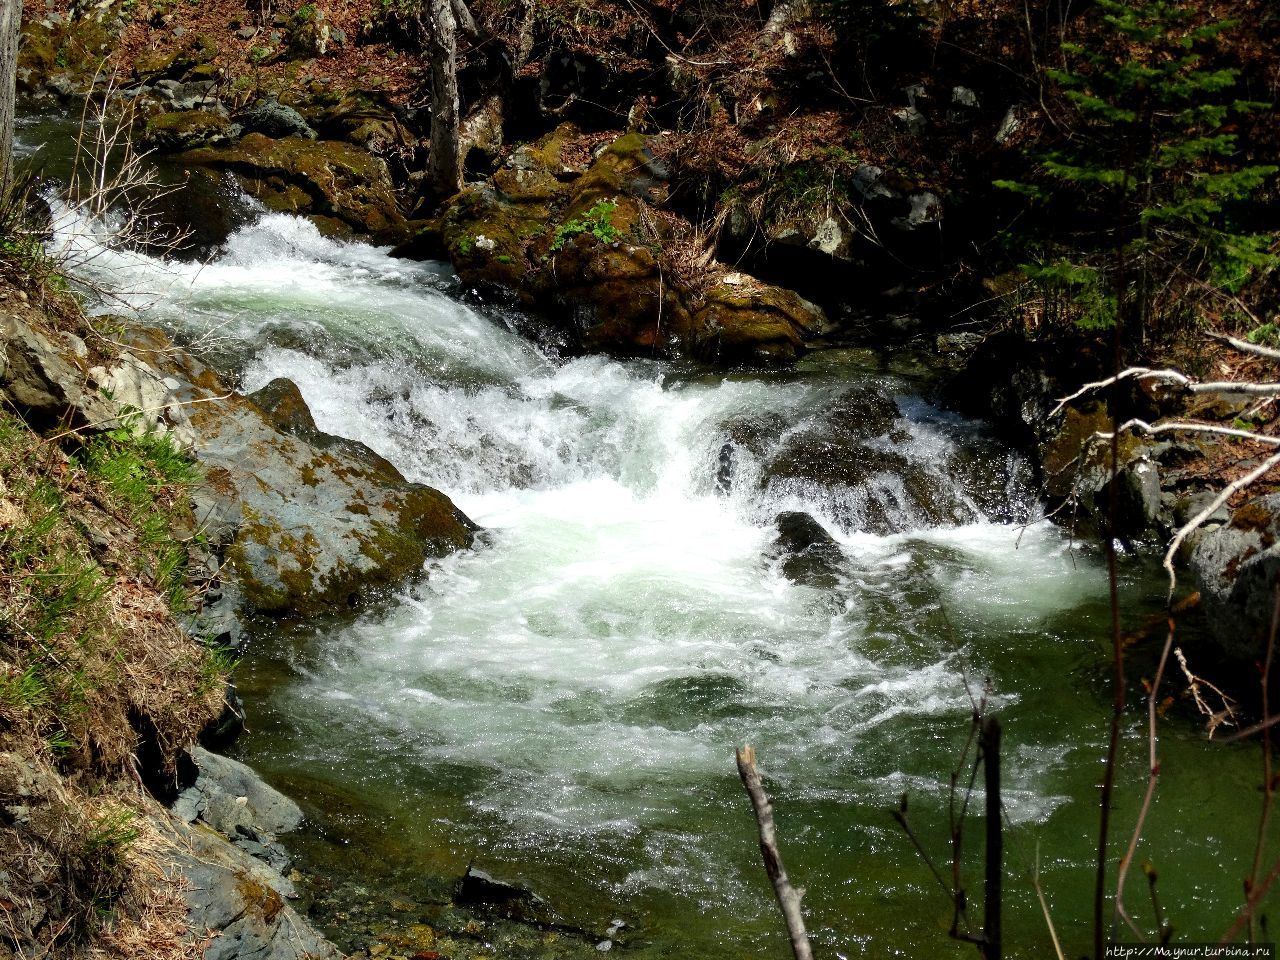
column 25, row 690
column 112, row 832
column 306, row 13
column 598, row 222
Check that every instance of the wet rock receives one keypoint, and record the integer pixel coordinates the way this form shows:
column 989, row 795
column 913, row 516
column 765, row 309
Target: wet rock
column 846, row 459
column 284, row 406
column 863, row 413
column 480, row 889
column 325, row 179
column 809, row 554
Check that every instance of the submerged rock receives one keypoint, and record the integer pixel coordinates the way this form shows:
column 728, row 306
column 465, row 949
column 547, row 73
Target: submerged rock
column 809, row 554
column 480, row 889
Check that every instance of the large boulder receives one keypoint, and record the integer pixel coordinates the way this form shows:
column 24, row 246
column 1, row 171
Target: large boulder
column 307, row 521
column 1236, row 566
column 337, row 183
column 180, row 130
column 581, row 244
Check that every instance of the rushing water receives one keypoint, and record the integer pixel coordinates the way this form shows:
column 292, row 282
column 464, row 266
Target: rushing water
column 560, row 705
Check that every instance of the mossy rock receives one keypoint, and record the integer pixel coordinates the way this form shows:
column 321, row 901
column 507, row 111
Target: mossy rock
column 579, row 247
column 742, row 321
column 186, row 129
column 153, row 65
column 324, row 177
column 69, row 49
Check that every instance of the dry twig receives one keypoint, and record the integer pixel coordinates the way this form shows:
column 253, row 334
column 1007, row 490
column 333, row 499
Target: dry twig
column 788, row 896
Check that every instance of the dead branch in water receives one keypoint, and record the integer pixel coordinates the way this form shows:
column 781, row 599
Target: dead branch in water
column 788, row 896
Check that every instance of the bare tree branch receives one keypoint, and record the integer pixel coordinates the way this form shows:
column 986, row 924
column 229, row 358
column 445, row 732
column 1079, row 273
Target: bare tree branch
column 1173, row 376
column 1194, row 523
column 1153, row 774
column 1244, row 346
column 788, row 896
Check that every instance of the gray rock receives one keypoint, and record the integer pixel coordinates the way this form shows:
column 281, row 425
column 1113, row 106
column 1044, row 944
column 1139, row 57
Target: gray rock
column 1187, row 507
column 867, row 180
column 925, row 209
column 1013, row 122
column 914, row 92
column 1235, row 568
column 310, row 522
column 273, row 119
column 224, row 784
column 35, row 376
column 231, row 893
column 964, row 97
column 1138, row 504
column 247, row 33
column 230, row 798
column 828, row 237
column 911, row 119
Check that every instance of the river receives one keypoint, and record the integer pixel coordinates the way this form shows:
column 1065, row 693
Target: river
column 560, row 705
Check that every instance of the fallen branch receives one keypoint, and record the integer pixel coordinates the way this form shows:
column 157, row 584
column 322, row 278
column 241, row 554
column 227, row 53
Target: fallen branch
column 1244, row 346
column 1173, row 376
column 788, row 896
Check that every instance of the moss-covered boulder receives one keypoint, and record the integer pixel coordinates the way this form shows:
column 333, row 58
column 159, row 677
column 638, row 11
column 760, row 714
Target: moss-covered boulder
column 331, row 180
column 583, row 245
column 322, row 520
column 186, row 129
column 741, row 320
column 308, row 521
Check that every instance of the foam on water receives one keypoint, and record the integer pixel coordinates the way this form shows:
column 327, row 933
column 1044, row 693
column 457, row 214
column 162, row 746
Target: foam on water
column 591, row 665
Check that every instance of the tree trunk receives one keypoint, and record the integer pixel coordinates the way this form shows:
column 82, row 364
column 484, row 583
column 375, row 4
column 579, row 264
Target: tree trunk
column 444, row 170
column 10, row 28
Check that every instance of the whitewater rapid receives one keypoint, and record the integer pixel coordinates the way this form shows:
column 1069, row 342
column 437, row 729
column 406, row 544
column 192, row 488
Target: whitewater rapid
column 569, row 693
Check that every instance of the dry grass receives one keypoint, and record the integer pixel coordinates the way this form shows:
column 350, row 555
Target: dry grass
column 94, row 668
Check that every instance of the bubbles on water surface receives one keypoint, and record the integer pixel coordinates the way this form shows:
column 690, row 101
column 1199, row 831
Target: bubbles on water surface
column 580, row 680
